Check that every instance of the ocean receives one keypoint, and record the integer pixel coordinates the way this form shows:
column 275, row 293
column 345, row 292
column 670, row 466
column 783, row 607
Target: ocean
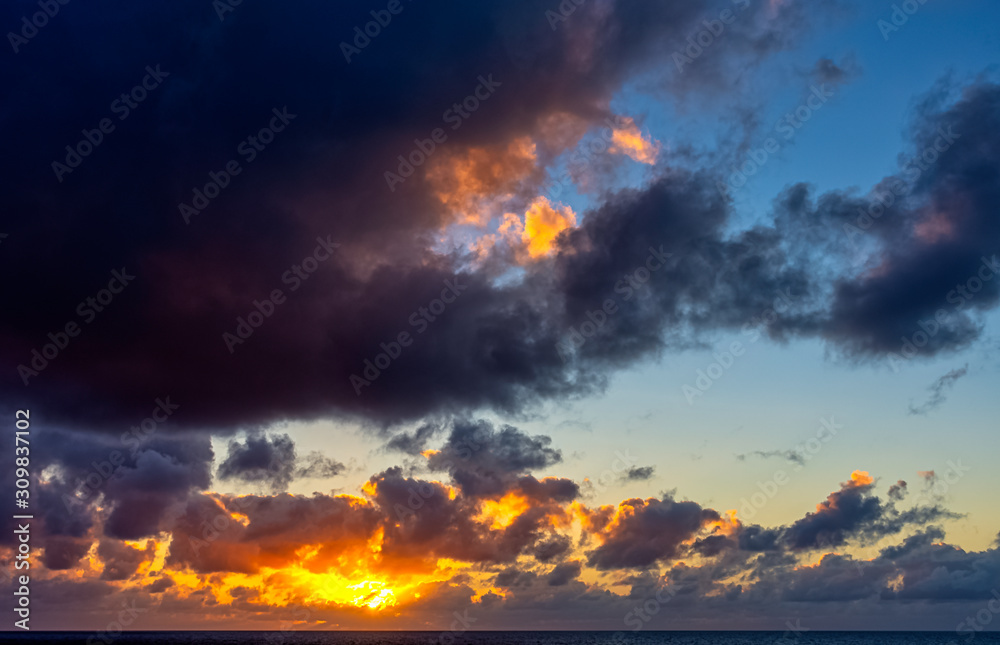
column 510, row 638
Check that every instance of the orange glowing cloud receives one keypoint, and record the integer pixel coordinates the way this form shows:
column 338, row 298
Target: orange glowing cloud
column 530, row 238
column 361, row 561
column 542, row 225
column 471, row 183
column 501, row 513
column 629, row 141
column 859, row 479
column 728, row 524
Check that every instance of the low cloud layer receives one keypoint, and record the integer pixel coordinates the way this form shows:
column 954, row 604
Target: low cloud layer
column 493, row 530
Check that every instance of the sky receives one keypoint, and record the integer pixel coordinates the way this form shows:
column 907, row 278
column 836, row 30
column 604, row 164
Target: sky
column 606, row 314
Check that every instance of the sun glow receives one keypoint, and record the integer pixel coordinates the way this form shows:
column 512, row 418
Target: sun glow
column 333, row 588
column 373, row 594
column 503, row 511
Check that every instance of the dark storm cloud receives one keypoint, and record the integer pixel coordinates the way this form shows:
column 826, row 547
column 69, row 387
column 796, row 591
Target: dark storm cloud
column 158, row 488
column 920, row 567
column 321, row 180
column 160, row 586
column 646, row 531
column 496, row 347
column 929, row 235
column 272, row 460
column 423, row 521
column 208, row 538
column 938, row 391
column 413, row 443
column 513, row 577
column 564, row 573
column 757, row 538
column 322, row 177
column 551, row 549
column 968, row 576
column 120, row 560
column 642, row 532
column 854, row 513
column 164, row 475
column 835, row 578
column 712, row 545
column 71, row 520
column 63, row 552
column 897, row 491
column 842, row 514
column 702, row 279
column 912, row 543
column 260, row 458
column 134, row 483
column 486, row 461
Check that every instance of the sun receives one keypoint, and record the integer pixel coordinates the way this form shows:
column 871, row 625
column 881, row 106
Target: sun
column 373, row 594
column 334, row 588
